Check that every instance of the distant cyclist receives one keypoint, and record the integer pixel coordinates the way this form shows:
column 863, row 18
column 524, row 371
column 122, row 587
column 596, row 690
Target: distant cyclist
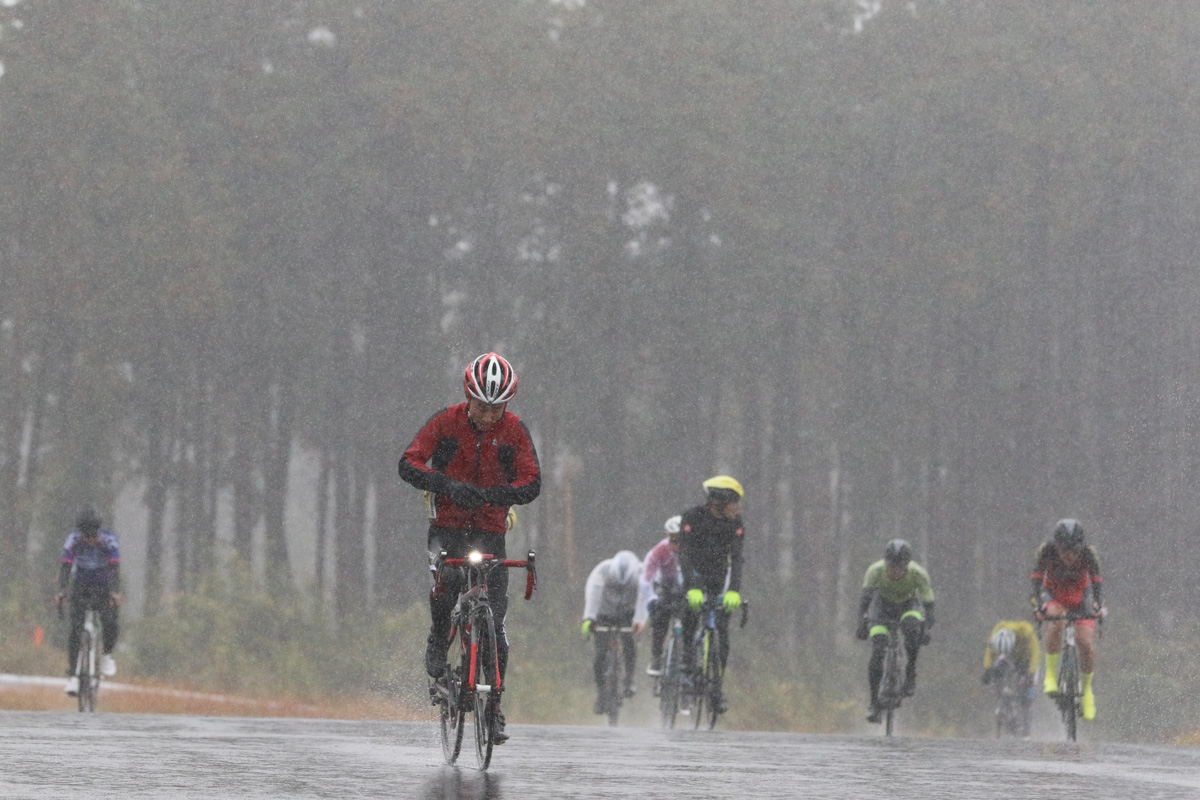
column 896, row 592
column 662, row 588
column 1016, row 642
column 710, row 558
column 89, row 575
column 610, row 600
column 477, row 459
column 1066, row 579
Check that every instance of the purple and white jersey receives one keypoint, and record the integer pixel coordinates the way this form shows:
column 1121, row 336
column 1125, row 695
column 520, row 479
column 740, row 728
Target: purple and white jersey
column 92, row 561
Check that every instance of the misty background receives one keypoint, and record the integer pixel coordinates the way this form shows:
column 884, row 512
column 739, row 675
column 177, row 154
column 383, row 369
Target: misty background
column 905, row 269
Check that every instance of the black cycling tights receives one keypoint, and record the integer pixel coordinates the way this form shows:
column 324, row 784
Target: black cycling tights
column 457, row 544
column 81, row 601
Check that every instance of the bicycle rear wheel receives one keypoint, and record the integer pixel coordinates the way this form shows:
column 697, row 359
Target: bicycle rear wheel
column 483, row 637
column 451, row 713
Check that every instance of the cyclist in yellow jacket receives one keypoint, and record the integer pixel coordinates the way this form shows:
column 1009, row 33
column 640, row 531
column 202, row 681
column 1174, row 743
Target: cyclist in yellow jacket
column 1014, row 644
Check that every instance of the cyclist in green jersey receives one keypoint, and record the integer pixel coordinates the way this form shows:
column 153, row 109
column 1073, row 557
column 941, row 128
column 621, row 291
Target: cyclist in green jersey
column 896, row 591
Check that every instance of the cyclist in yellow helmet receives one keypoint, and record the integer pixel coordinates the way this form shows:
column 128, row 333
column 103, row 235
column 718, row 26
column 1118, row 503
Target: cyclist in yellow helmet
column 1015, row 643
column 710, row 561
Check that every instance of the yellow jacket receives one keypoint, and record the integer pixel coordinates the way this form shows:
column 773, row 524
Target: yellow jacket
column 1027, row 652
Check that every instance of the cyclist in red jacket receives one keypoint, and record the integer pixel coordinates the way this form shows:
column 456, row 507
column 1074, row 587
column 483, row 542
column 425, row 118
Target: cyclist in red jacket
column 476, row 459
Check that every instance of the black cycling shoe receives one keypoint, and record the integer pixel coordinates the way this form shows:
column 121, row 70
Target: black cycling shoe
column 874, row 714
column 499, row 736
column 599, row 707
column 630, row 690
column 910, row 685
column 720, row 704
column 435, row 656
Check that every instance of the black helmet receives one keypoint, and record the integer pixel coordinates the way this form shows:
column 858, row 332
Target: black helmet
column 898, row 551
column 1068, row 533
column 87, row 519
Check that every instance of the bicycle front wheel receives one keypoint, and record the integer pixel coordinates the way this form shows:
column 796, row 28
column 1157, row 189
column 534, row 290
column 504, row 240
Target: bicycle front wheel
column 891, row 687
column 713, row 679
column 700, row 686
column 1068, row 690
column 668, row 696
column 611, row 691
column 84, row 670
column 483, row 637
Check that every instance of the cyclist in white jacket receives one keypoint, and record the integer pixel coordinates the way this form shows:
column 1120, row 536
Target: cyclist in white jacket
column 611, row 599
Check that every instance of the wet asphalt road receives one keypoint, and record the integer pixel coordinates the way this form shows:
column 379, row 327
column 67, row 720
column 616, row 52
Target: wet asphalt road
column 52, row 755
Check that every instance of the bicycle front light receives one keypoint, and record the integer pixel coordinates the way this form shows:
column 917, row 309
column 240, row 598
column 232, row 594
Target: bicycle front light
column 475, row 557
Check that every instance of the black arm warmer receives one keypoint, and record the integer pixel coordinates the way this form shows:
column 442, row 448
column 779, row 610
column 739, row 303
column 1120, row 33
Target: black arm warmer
column 864, row 602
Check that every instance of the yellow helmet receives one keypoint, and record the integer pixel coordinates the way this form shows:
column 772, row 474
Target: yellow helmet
column 723, row 489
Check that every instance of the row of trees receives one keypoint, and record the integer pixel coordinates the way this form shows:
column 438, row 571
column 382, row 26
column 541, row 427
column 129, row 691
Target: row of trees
column 925, row 273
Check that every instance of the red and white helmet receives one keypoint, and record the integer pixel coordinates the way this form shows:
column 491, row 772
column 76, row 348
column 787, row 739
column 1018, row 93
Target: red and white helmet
column 490, row 379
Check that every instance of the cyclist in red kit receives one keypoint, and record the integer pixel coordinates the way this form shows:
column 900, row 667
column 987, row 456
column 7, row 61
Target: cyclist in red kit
column 1066, row 580
column 476, row 459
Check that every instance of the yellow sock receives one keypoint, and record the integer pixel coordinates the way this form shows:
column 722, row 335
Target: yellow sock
column 1051, row 683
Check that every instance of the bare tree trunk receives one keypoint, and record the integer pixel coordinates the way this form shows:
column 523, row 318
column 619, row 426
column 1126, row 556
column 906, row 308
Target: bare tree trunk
column 351, row 558
column 324, row 488
column 279, row 450
column 158, row 463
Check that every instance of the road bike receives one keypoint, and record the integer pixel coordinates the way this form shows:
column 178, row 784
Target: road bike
column 702, row 697
column 1069, row 697
column 611, row 695
column 1012, row 685
column 472, row 686
column 668, row 684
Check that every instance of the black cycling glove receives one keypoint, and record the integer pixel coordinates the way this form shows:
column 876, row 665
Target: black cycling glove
column 464, row 495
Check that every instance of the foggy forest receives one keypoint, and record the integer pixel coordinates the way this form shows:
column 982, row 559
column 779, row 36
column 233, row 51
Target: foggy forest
column 916, row 269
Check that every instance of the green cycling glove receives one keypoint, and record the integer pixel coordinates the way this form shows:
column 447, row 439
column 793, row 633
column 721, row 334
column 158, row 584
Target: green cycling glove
column 732, row 602
column 695, row 599
column 586, row 630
